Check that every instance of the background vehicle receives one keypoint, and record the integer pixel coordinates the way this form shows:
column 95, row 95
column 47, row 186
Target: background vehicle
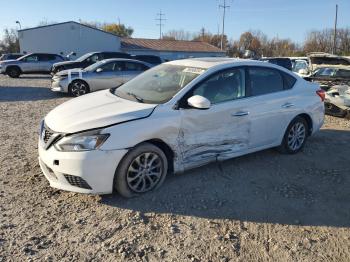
column 10, row 56
column 30, row 64
column 105, row 74
column 319, row 60
column 328, row 77
column 176, row 116
column 151, row 59
column 87, row 60
column 300, row 67
column 281, row 61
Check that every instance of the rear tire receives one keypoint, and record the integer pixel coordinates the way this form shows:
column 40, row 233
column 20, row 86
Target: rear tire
column 142, row 169
column 13, row 71
column 295, row 136
column 78, row 88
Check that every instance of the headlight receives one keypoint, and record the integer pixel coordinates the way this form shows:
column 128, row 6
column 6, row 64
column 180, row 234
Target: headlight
column 82, row 142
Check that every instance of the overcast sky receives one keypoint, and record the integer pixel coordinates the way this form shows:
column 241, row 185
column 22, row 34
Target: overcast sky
column 282, row 18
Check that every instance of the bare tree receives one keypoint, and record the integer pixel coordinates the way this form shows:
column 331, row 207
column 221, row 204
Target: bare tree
column 10, row 42
column 178, row 35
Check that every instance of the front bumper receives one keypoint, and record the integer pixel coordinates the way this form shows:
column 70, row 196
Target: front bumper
column 59, row 85
column 82, row 172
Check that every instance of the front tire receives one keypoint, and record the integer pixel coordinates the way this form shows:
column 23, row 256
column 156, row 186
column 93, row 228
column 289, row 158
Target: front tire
column 78, row 88
column 142, row 169
column 295, row 136
column 13, row 72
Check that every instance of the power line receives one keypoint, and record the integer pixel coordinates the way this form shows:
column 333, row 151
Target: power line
column 160, row 19
column 224, row 7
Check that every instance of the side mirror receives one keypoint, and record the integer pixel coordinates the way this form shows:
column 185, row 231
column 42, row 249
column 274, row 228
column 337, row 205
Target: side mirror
column 99, row 70
column 199, row 102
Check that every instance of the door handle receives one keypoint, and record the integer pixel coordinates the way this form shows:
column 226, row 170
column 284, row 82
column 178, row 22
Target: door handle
column 287, row 105
column 240, row 113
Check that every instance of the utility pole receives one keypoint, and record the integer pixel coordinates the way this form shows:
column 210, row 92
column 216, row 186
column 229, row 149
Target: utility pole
column 224, row 6
column 160, row 19
column 335, row 30
column 202, row 33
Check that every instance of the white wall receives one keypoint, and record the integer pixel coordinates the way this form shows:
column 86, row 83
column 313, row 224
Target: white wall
column 66, row 38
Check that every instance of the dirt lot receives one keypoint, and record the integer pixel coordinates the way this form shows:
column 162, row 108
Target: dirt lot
column 260, row 207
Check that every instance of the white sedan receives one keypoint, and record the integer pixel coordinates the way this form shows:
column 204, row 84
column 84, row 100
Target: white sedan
column 173, row 117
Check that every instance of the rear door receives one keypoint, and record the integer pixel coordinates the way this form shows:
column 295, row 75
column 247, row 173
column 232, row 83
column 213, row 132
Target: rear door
column 46, row 61
column 272, row 103
column 132, row 69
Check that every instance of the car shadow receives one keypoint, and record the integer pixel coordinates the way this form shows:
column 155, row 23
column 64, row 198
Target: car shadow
column 35, row 77
column 309, row 188
column 27, row 93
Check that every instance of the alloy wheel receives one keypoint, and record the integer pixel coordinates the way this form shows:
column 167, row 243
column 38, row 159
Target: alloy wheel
column 296, row 136
column 144, row 172
column 79, row 88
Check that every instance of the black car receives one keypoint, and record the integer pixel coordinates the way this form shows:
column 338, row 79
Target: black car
column 151, row 59
column 86, row 60
column 281, row 61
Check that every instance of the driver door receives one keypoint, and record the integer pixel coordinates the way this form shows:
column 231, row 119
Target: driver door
column 111, row 75
column 30, row 63
column 222, row 130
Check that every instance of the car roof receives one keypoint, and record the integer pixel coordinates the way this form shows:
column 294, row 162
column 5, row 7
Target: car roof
column 210, row 62
column 123, row 59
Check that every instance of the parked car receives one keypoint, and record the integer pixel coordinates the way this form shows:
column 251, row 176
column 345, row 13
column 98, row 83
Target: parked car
column 319, row 60
column 281, row 61
column 173, row 117
column 87, row 60
column 300, row 67
column 151, row 59
column 30, row 64
column 10, row 56
column 328, row 77
column 105, row 74
column 337, row 101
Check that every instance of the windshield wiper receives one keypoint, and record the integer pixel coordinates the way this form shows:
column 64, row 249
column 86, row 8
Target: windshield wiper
column 139, row 99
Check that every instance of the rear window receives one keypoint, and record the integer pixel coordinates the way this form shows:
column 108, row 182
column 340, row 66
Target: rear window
column 264, row 80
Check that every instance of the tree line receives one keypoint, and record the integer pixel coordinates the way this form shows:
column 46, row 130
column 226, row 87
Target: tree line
column 258, row 43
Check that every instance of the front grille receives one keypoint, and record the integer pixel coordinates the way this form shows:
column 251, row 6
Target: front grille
column 77, row 181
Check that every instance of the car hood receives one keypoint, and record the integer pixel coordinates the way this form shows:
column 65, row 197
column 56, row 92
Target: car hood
column 66, row 63
column 95, row 110
column 8, row 61
column 74, row 71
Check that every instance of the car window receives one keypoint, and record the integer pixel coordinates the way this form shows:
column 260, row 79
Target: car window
column 46, row 57
column 343, row 73
column 223, row 86
column 264, row 80
column 107, row 67
column 94, row 58
column 132, row 66
column 31, row 58
column 288, row 81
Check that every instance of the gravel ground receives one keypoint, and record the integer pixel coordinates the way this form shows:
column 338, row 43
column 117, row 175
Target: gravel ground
column 260, row 207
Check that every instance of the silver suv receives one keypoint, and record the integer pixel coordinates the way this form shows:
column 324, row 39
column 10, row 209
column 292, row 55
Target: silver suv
column 35, row 63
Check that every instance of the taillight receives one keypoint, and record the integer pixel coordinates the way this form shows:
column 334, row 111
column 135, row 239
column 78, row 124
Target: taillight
column 321, row 93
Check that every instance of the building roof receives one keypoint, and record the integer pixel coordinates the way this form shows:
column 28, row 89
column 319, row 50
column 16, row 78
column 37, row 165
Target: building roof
column 168, row 45
column 68, row 22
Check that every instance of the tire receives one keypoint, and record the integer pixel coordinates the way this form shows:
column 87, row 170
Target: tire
column 78, row 88
column 13, row 71
column 132, row 179
column 295, row 136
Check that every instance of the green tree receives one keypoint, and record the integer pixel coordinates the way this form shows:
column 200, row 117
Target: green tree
column 118, row 29
column 10, row 42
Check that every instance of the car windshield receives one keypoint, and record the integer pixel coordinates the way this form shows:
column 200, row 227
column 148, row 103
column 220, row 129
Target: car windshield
column 325, row 72
column 159, row 84
column 83, row 57
column 94, row 66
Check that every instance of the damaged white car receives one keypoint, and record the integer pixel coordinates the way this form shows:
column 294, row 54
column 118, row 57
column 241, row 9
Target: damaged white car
column 173, row 117
column 337, row 101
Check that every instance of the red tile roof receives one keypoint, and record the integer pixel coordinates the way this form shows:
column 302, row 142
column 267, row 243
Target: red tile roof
column 167, row 45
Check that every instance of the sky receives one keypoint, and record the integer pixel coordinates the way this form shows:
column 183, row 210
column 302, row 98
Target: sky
column 283, row 18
